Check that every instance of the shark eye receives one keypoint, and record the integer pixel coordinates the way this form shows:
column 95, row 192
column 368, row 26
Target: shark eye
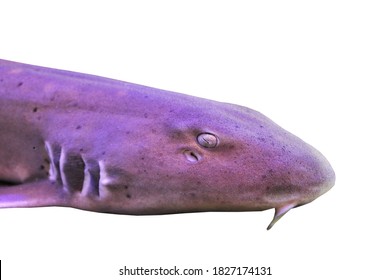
column 207, row 140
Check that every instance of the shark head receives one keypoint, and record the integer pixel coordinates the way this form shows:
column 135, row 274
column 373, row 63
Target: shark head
column 194, row 154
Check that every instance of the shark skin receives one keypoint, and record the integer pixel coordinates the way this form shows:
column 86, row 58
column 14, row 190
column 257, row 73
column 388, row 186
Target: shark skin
column 87, row 142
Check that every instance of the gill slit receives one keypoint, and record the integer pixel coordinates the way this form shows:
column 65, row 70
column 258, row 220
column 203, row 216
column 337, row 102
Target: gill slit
column 74, row 172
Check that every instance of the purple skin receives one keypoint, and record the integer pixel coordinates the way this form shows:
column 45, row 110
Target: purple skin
column 82, row 141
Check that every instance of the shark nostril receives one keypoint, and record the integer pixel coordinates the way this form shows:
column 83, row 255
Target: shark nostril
column 192, row 156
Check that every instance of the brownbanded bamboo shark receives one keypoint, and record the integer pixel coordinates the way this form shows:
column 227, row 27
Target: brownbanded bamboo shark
column 83, row 141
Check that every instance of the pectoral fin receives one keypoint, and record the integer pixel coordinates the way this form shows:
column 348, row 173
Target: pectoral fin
column 31, row 194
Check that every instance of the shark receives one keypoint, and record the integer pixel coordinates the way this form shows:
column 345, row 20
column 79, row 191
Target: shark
column 83, row 141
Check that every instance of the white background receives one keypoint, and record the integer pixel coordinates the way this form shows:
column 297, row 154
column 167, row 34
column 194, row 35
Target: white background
column 320, row 69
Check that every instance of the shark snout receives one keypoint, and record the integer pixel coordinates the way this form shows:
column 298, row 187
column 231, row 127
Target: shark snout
column 320, row 177
column 328, row 178
column 307, row 176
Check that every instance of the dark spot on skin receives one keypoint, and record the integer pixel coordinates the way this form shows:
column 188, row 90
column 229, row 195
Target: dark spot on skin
column 146, row 96
column 142, row 158
column 81, row 150
column 127, row 132
column 171, row 111
column 126, row 187
column 78, row 127
column 34, row 148
column 264, row 177
column 268, row 188
column 146, row 115
column 20, row 84
column 282, row 190
column 42, row 167
column 128, row 196
column 103, row 153
column 35, row 109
